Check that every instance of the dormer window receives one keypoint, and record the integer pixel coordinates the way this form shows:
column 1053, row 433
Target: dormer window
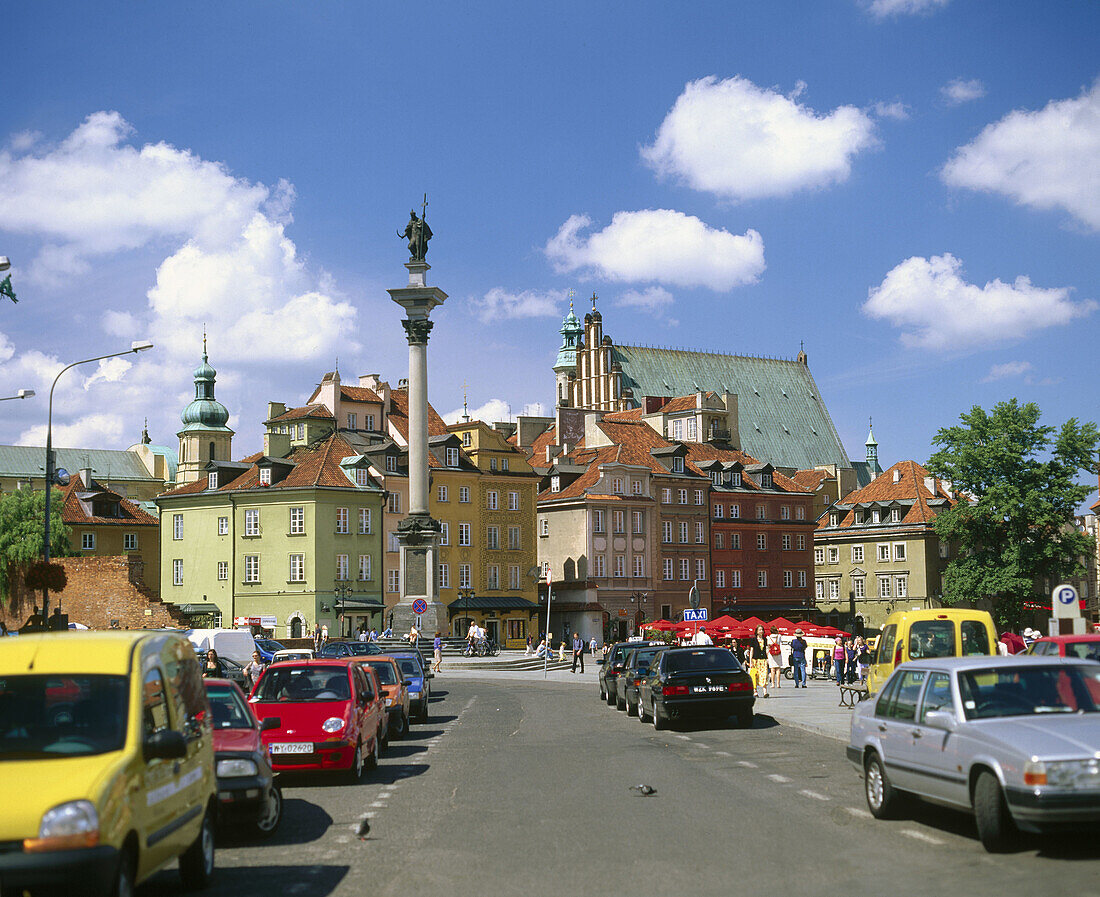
column 897, row 476
column 265, row 476
column 716, row 477
column 617, row 485
column 677, row 465
column 737, row 478
column 362, row 476
column 466, row 438
column 555, row 484
column 766, row 480
column 895, row 515
column 391, row 463
column 834, row 519
column 212, row 480
column 876, row 516
column 452, row 456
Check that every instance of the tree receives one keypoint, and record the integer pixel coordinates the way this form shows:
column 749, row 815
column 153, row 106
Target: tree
column 1021, row 481
column 22, row 514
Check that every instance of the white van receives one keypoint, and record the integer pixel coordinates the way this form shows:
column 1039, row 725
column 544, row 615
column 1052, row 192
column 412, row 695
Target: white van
column 236, row 644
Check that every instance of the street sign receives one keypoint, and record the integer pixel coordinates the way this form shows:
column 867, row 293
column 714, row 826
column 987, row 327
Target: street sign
column 697, row 615
column 693, row 597
column 1065, row 601
column 420, row 606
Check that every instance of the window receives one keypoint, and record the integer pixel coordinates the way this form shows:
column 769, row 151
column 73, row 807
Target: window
column 618, row 522
column 513, row 577
column 761, row 541
column 620, row 566
column 635, row 487
column 736, row 479
column 87, row 541
column 467, row 439
column 212, row 480
column 513, row 501
column 800, row 542
column 819, row 555
column 544, row 527
column 784, row 512
column 859, row 586
column 819, row 589
column 364, row 522
column 617, row 485
column 452, row 457
column 223, row 571
column 735, row 579
column 945, row 552
column 394, row 543
column 884, row 552
column 666, row 530
column 800, row 513
column 677, row 429
column 716, row 477
column 444, row 576
column 154, row 711
column 492, row 464
column 297, row 568
column 857, row 554
column 683, row 532
column 761, row 512
column 719, row 579
column 901, row 586
column 300, row 431
column 177, row 527
column 341, row 520
column 698, row 496
column 685, row 569
column 251, row 568
column 393, row 580
column 667, row 565
column 700, row 568
column 252, row 522
column 597, row 521
column 691, row 429
column 895, row 515
column 391, row 463
column 762, row 579
column 802, row 579
column 637, row 522
column 504, row 464
column 464, row 494
column 884, row 587
column 788, row 579
column 555, row 483
column 683, row 495
column 599, row 565
column 786, row 542
column 513, row 538
column 834, row 519
column 639, row 565
column 735, row 541
column 834, row 588
column 441, row 493
column 899, row 551
column 678, row 467
column 223, row 526
column 719, row 541
column 368, row 421
column 341, row 567
column 394, row 504
column 444, row 533
column 352, row 420
column 129, row 542
column 666, row 496
column 700, row 535
column 876, row 516
column 834, row 555
column 364, row 567
column 492, row 580
column 491, row 500
column 735, row 512
column 719, row 512
column 464, row 534
column 464, row 576
column 492, row 537
column 265, row 476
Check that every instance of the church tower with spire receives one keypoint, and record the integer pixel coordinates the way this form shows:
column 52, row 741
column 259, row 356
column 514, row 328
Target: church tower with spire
column 565, row 368
column 205, row 436
column 872, row 450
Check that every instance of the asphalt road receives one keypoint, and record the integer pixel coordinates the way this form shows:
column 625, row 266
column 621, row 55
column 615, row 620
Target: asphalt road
column 526, row 788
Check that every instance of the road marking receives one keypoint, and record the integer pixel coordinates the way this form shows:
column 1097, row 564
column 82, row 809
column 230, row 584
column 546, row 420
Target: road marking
column 722, row 754
column 862, row 814
column 778, row 779
column 705, row 747
column 920, row 836
column 748, row 764
column 380, row 804
column 805, row 792
column 684, row 737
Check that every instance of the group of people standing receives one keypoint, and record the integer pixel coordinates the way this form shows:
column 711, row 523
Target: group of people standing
column 851, row 660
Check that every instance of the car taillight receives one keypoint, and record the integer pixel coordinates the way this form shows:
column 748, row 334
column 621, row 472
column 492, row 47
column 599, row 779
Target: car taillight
column 897, row 654
column 674, row 690
column 740, row 686
column 637, row 682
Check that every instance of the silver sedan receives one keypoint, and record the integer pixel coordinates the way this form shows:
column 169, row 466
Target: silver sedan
column 1013, row 740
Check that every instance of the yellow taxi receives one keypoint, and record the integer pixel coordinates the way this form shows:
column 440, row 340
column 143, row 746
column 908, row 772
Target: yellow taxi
column 936, row 632
column 106, row 761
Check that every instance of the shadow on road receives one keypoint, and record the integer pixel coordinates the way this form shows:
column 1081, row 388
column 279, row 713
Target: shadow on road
column 237, row 880
column 302, row 823
column 387, row 774
column 401, row 750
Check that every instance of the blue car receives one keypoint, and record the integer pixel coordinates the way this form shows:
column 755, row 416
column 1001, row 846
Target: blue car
column 420, row 689
column 267, row 648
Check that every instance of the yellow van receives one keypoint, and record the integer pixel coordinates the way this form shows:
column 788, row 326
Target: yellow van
column 106, row 761
column 938, row 632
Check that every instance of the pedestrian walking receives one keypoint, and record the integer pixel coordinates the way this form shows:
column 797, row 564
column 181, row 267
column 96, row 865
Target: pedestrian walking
column 758, row 654
column 254, row 670
column 775, row 658
column 592, row 646
column 839, row 656
column 863, row 659
column 578, row 652
column 798, row 659
column 213, row 668
column 437, row 651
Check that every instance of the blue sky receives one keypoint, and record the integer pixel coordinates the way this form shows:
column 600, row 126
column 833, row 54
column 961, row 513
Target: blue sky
column 911, row 187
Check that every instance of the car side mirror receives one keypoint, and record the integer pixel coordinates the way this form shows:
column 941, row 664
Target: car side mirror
column 167, row 744
column 406, row 681
column 270, row 722
column 429, row 675
column 944, row 720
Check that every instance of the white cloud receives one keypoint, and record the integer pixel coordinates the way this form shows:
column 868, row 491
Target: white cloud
column 24, row 140
column 499, row 303
column 91, row 429
column 656, row 301
column 492, row 411
column 739, row 141
column 110, row 370
column 882, row 9
column 1008, row 369
column 1049, row 159
column 896, row 110
column 659, row 245
column 938, row 310
column 960, row 91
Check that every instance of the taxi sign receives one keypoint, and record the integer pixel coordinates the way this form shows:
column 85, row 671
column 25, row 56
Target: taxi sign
column 696, row 615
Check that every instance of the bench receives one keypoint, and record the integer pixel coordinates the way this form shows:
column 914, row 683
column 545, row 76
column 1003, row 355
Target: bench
column 850, row 695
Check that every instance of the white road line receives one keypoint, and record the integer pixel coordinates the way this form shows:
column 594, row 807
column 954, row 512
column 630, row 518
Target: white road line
column 920, row 836
column 805, row 792
column 778, row 779
column 705, row 747
column 385, row 795
column 748, row 764
column 379, row 804
column 862, row 814
column 684, row 737
column 722, row 754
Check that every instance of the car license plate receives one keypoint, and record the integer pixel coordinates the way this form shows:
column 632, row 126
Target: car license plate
column 414, row 694
column 292, row 747
column 704, row 689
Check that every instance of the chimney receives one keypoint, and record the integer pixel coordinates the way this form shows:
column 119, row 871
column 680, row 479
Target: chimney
column 930, row 484
column 276, row 445
column 86, row 478
column 274, row 409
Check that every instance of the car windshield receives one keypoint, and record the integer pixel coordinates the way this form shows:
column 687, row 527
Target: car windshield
column 227, row 710
column 643, row 657
column 1029, row 690
column 409, row 667
column 1084, row 650
column 932, row 638
column 704, row 659
column 343, row 649
column 302, row 685
column 269, row 644
column 58, row 716
column 384, row 671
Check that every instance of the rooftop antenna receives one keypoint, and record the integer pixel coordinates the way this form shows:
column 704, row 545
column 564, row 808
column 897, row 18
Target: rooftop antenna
column 465, row 403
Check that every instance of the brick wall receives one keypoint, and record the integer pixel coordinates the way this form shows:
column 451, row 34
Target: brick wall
column 99, row 591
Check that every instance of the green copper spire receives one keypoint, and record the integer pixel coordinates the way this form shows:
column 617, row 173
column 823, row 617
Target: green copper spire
column 571, row 332
column 205, row 412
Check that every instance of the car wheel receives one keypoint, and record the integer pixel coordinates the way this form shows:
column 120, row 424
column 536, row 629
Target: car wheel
column 744, row 718
column 124, row 878
column 272, row 813
column 197, row 862
column 659, row 722
column 603, row 692
column 620, row 703
column 610, row 697
column 402, row 728
column 996, row 830
column 641, row 712
column 355, row 771
column 632, row 709
column 882, row 799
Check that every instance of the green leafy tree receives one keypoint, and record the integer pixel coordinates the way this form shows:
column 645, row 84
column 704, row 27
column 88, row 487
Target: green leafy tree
column 21, row 524
column 1022, row 479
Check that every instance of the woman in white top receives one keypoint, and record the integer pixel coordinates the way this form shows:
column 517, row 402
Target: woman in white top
column 775, row 658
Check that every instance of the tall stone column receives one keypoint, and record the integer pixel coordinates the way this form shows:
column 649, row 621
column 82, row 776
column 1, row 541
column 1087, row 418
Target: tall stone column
column 418, row 533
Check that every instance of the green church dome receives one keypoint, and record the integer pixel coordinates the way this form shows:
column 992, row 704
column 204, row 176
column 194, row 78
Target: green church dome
column 205, row 412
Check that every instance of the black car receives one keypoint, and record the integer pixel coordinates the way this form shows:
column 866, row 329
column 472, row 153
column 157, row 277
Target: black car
column 349, row 649
column 699, row 683
column 637, row 665
column 613, row 664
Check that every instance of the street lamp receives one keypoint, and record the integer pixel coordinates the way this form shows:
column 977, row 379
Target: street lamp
column 342, row 591
column 22, row 394
column 51, row 474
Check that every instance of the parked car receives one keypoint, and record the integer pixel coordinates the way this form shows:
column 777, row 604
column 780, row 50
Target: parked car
column 612, row 665
column 237, row 644
column 939, row 632
column 348, row 649
column 396, row 690
column 418, row 680
column 1013, row 740
column 247, row 790
column 697, row 683
column 106, row 762
column 1086, row 647
column 634, row 671
column 292, row 654
column 331, row 716
column 267, row 647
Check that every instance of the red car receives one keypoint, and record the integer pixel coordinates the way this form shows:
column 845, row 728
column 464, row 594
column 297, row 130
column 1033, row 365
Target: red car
column 1086, row 647
column 331, row 716
column 246, row 782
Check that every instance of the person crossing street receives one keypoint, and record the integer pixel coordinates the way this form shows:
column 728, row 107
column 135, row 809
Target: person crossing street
column 578, row 652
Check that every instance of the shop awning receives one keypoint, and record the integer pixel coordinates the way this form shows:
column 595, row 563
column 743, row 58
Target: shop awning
column 354, row 601
column 492, row 602
column 203, row 607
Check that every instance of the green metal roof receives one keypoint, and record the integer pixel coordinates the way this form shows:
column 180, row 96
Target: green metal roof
column 30, row 461
column 781, row 415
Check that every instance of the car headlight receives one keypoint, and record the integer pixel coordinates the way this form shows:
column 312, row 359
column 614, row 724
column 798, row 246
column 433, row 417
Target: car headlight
column 389, row 702
column 231, row 768
column 333, row 724
column 1082, row 774
column 68, row 825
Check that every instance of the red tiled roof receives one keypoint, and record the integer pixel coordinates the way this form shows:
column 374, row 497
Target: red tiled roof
column 73, row 514
column 810, row 479
column 629, row 414
column 359, row 394
column 540, row 442
column 399, row 415
column 909, row 487
column 303, row 412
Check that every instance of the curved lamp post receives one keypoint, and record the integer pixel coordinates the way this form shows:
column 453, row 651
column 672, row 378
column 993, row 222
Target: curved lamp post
column 51, row 474
column 22, row 394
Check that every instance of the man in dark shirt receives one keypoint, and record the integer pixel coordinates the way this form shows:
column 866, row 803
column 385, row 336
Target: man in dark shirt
column 578, row 652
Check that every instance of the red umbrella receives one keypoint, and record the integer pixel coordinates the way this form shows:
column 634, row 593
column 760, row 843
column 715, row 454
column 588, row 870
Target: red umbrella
column 725, row 620
column 783, row 625
column 660, row 625
column 753, row 622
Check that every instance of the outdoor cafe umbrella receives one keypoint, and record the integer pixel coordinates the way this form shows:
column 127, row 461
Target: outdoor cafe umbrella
column 660, row 625
column 783, row 625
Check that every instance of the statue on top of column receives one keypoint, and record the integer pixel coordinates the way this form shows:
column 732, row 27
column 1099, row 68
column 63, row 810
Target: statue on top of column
column 418, row 234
